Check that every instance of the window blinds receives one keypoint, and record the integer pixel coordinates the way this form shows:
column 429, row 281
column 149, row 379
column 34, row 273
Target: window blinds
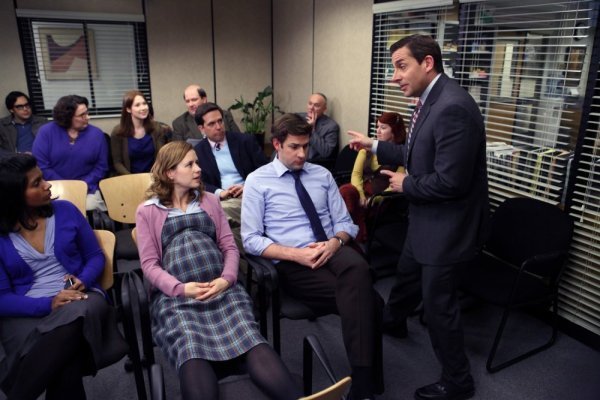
column 526, row 64
column 580, row 287
column 391, row 24
column 89, row 55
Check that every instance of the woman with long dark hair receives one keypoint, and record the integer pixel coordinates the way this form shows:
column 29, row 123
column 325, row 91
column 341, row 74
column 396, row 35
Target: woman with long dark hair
column 137, row 139
column 201, row 319
column 55, row 323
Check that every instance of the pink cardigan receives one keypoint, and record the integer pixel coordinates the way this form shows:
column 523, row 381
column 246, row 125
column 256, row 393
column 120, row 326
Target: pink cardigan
column 149, row 222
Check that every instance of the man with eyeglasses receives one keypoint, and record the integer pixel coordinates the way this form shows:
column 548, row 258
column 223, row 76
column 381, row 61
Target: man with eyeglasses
column 18, row 130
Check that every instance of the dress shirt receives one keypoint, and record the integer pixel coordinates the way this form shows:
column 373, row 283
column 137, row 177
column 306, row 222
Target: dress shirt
column 272, row 213
column 229, row 173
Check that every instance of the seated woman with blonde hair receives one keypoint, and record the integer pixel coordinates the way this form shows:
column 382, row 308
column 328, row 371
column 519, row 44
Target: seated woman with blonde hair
column 201, row 319
column 366, row 179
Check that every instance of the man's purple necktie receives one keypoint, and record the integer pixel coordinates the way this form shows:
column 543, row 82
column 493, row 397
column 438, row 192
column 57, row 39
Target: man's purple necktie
column 309, row 208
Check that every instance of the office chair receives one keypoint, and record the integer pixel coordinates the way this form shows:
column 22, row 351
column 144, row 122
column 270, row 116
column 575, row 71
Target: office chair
column 344, row 163
column 521, row 265
column 74, row 191
column 134, row 293
column 387, row 225
column 106, row 239
column 282, row 305
column 122, row 195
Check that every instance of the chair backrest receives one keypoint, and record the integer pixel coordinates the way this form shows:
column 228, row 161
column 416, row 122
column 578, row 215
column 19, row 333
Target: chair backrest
column 336, row 391
column 344, row 163
column 134, row 235
column 107, row 241
column 524, row 227
column 122, row 195
column 74, row 191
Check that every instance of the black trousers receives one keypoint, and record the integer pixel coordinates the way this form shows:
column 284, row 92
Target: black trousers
column 343, row 286
column 437, row 287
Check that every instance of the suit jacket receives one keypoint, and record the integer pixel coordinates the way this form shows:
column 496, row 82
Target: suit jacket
column 324, row 140
column 8, row 132
column 185, row 127
column 447, row 185
column 246, row 155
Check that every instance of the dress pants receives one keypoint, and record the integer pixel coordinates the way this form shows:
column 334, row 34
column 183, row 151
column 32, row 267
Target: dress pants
column 343, row 286
column 437, row 287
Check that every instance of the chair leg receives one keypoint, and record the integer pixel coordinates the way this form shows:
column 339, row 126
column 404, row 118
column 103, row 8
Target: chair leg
column 276, row 308
column 495, row 368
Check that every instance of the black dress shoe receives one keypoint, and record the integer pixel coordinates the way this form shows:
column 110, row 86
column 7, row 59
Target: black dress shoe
column 444, row 391
column 396, row 329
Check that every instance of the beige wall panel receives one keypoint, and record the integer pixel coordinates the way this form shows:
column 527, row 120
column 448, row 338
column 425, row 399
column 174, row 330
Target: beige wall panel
column 343, row 31
column 292, row 53
column 243, row 50
column 12, row 69
column 180, row 53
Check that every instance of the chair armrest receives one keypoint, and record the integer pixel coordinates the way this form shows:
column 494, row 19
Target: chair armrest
column 264, row 271
column 313, row 346
column 144, row 312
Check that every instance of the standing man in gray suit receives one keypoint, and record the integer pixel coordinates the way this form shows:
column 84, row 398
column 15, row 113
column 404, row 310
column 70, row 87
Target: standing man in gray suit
column 446, row 186
column 185, row 127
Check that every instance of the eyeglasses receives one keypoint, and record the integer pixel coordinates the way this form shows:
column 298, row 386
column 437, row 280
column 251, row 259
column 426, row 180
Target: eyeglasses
column 22, row 106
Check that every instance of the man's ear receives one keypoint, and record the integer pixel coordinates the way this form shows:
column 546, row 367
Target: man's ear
column 200, row 129
column 276, row 144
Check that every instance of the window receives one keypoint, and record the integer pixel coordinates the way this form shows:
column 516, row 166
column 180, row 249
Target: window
column 527, row 64
column 99, row 56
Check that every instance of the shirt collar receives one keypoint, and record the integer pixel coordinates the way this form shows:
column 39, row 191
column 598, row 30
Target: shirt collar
column 428, row 89
column 281, row 169
column 223, row 143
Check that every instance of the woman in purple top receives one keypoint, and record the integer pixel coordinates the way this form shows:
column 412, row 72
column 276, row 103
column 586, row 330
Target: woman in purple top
column 201, row 319
column 71, row 148
column 55, row 322
column 137, row 138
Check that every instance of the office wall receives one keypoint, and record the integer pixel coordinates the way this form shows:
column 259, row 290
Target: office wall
column 324, row 46
column 240, row 58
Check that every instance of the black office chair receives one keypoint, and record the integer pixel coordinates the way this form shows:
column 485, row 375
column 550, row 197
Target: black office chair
column 387, row 226
column 134, row 293
column 282, row 305
column 521, row 265
column 344, row 163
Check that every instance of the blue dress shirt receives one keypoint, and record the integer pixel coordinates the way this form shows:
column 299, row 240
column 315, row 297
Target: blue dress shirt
column 272, row 213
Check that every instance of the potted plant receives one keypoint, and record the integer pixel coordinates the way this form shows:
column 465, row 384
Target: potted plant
column 255, row 114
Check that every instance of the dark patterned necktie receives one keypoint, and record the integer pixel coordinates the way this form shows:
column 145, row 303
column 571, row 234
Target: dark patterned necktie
column 309, row 208
column 413, row 121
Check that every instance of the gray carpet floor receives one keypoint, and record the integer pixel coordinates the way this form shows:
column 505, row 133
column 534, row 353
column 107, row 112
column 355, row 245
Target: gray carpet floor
column 568, row 370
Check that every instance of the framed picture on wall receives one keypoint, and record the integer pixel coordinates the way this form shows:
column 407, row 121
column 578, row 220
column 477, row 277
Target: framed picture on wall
column 66, row 53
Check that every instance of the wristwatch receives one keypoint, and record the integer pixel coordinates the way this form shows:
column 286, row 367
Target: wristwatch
column 340, row 240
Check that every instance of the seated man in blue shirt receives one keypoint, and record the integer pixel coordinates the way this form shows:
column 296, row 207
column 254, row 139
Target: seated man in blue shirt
column 18, row 130
column 226, row 159
column 308, row 246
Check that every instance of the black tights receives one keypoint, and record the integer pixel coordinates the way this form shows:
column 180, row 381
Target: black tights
column 198, row 378
column 53, row 364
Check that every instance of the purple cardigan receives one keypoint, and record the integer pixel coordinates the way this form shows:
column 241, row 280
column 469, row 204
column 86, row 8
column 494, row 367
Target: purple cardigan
column 149, row 223
column 86, row 159
column 75, row 247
